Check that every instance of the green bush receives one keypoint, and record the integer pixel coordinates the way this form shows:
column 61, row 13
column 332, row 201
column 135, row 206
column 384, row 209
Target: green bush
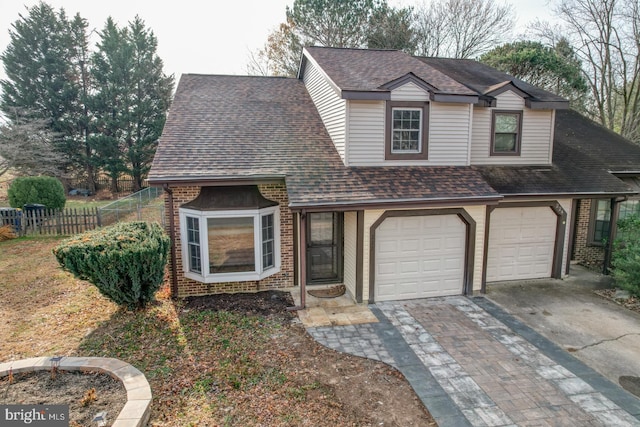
column 625, row 258
column 43, row 190
column 126, row 261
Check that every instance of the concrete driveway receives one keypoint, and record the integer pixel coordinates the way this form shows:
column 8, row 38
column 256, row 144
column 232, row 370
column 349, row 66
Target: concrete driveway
column 600, row 333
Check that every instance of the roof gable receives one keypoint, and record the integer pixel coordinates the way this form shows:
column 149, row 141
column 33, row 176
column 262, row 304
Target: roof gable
column 487, row 82
column 371, row 74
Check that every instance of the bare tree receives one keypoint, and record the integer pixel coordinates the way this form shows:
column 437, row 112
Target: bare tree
column 280, row 55
column 606, row 38
column 462, row 28
column 27, row 148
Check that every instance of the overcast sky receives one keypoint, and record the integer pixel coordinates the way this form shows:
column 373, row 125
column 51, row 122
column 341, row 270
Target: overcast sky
column 208, row 37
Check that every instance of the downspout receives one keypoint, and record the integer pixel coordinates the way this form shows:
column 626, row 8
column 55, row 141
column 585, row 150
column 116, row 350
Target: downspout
column 303, row 262
column 613, row 229
column 172, row 236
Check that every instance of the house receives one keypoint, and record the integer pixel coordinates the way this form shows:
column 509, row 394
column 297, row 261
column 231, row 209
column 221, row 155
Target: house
column 400, row 177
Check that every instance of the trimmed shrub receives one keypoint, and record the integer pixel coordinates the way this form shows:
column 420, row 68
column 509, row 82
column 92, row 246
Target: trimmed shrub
column 126, row 261
column 625, row 258
column 43, row 190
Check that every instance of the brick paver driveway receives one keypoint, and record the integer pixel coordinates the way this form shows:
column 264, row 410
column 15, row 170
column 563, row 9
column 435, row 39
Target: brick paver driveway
column 469, row 368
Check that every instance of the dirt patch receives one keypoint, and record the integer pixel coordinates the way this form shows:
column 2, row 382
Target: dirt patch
column 266, row 303
column 331, row 388
column 85, row 393
column 631, row 303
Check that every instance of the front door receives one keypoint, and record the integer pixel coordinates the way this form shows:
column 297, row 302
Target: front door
column 324, row 247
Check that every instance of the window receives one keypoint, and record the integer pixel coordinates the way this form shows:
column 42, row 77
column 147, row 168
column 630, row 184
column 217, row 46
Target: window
column 406, row 131
column 406, row 134
column 506, row 133
column 193, row 244
column 237, row 245
column 601, row 218
column 268, row 241
column 628, row 208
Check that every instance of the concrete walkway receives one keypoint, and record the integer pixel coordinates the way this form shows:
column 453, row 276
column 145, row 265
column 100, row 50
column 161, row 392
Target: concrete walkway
column 468, row 366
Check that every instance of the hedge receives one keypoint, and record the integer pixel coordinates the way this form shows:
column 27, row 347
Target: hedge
column 126, row 261
column 43, row 190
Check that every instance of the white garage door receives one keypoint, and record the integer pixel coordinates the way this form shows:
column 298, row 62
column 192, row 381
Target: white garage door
column 521, row 243
column 419, row 256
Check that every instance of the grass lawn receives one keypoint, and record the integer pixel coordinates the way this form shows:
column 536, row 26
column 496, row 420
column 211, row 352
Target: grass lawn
column 206, row 367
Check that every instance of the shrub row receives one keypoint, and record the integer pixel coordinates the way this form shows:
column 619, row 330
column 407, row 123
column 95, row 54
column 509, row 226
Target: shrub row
column 625, row 258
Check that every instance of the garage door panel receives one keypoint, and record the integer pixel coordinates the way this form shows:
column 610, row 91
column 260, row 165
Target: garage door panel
column 429, row 260
column 521, row 243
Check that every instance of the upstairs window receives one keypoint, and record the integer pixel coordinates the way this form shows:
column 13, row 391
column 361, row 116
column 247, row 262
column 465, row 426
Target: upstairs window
column 506, row 133
column 406, row 134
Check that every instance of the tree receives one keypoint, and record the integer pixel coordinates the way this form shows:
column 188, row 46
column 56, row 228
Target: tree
column 462, row 28
column 27, row 148
column 131, row 100
column 46, row 66
column 553, row 68
column 333, row 23
column 391, row 28
column 606, row 38
column 281, row 54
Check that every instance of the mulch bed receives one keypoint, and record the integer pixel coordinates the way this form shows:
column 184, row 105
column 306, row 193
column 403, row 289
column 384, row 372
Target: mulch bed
column 85, row 393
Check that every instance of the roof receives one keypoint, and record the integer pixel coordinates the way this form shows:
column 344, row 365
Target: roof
column 371, row 70
column 224, row 127
column 231, row 128
column 584, row 154
column 598, row 144
column 487, row 81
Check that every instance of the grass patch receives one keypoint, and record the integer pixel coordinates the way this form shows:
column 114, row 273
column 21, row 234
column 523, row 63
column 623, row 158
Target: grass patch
column 206, row 366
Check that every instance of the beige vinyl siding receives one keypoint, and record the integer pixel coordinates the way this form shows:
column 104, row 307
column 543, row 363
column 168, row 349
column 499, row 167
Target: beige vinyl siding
column 478, row 214
column 449, row 134
column 330, row 105
column 350, row 241
column 366, row 133
column 409, row 92
column 448, row 142
column 537, row 134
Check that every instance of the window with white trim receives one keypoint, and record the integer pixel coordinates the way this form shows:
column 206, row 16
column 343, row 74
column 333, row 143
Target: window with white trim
column 229, row 246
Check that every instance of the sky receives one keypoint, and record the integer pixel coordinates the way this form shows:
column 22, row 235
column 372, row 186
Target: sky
column 207, row 37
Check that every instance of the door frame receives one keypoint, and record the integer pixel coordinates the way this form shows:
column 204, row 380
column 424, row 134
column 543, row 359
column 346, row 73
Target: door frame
column 338, row 229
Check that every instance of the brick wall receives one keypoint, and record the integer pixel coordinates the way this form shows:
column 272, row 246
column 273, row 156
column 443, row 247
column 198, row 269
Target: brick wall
column 583, row 252
column 189, row 287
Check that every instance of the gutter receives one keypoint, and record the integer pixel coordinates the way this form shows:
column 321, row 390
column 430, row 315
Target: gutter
column 172, row 236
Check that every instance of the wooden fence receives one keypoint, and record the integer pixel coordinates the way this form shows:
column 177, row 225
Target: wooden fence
column 50, row 221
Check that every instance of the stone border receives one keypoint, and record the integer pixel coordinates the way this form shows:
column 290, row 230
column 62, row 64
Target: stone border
column 136, row 411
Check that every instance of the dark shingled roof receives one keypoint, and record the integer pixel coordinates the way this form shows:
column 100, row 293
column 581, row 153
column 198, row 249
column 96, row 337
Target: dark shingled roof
column 598, row 144
column 370, row 69
column 583, row 155
column 484, row 79
column 229, row 127
column 224, row 128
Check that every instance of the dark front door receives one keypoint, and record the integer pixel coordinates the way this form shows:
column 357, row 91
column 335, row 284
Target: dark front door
column 324, row 247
